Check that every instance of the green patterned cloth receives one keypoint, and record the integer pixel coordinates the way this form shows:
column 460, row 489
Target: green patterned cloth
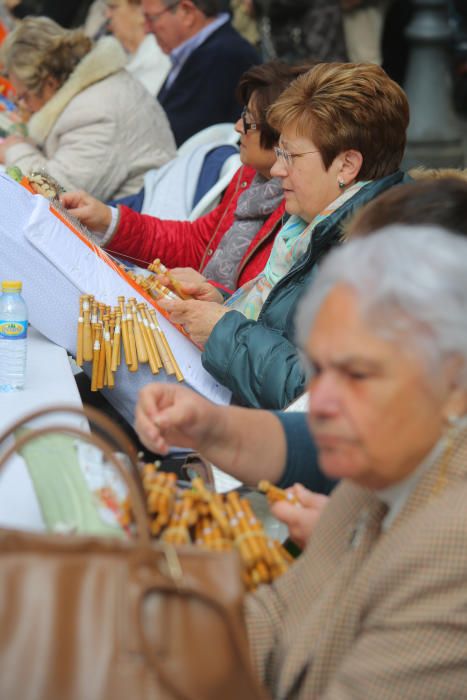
column 64, row 497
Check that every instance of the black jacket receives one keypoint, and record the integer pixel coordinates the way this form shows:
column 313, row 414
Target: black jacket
column 203, row 93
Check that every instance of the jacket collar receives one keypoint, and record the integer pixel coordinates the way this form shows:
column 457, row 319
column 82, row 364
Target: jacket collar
column 104, row 59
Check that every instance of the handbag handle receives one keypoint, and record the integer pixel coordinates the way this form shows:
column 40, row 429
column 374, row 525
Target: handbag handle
column 111, row 431
column 135, row 495
column 93, row 415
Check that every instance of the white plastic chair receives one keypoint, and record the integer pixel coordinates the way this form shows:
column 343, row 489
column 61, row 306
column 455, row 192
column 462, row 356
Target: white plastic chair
column 213, row 196
column 217, row 133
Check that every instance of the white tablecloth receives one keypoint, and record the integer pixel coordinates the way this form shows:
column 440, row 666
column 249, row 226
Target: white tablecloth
column 49, row 381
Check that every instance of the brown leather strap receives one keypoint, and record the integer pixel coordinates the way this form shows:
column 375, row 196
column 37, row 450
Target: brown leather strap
column 112, row 433
column 135, row 496
column 103, row 422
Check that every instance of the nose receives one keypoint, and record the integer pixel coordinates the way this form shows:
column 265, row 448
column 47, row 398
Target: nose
column 239, row 126
column 323, row 396
column 279, row 169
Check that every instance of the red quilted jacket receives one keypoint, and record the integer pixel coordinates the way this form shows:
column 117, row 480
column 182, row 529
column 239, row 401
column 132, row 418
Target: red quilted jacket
column 141, row 238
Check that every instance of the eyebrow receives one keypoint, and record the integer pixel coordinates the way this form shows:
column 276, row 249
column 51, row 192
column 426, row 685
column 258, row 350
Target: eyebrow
column 351, row 360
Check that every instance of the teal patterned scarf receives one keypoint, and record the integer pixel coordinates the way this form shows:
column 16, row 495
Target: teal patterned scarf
column 290, row 244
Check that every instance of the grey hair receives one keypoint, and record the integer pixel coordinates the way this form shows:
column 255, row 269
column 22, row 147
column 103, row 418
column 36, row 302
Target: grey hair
column 410, row 281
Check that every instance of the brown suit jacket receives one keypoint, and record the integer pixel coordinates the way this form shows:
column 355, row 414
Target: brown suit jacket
column 395, row 628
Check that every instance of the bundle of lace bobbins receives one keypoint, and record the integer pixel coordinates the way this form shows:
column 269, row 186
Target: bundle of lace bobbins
column 103, row 329
column 206, row 519
column 153, row 286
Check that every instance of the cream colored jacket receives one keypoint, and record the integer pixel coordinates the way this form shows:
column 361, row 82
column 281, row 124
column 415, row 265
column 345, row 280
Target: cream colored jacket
column 100, row 132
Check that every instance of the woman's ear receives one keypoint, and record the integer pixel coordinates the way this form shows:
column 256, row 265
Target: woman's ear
column 350, row 166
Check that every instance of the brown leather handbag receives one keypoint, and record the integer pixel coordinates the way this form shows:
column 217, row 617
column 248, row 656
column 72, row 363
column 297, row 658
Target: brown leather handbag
column 88, row 618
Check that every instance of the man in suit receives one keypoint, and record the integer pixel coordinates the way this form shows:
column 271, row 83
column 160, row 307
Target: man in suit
column 376, row 606
column 208, row 57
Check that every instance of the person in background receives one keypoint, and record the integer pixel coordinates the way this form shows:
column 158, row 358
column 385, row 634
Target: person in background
column 363, row 29
column 376, row 604
column 67, row 14
column 208, row 57
column 435, row 198
column 147, row 63
column 300, row 30
column 93, row 125
column 244, row 21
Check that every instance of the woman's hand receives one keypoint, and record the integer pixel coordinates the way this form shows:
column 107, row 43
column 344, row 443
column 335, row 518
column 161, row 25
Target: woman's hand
column 300, row 518
column 198, row 318
column 90, row 211
column 168, row 414
column 192, row 283
column 5, row 144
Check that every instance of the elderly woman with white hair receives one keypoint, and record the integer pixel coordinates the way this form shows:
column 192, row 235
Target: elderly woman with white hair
column 377, row 604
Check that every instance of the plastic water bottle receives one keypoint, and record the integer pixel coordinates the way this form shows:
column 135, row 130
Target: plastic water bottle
column 13, row 337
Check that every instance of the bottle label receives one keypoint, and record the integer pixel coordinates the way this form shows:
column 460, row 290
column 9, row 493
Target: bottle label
column 13, row 330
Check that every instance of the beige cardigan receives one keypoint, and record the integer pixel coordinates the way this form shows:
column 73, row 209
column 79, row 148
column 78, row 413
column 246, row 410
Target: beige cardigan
column 100, row 132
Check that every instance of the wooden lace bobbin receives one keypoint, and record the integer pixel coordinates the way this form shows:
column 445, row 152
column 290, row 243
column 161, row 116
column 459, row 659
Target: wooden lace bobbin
column 109, row 378
column 153, row 355
column 95, row 360
column 178, row 373
column 152, row 331
column 177, row 531
column 87, row 331
column 161, row 347
column 80, row 333
column 259, row 537
column 116, row 345
column 215, row 505
column 242, row 544
column 94, row 319
column 247, row 528
column 274, row 493
column 124, row 333
column 161, row 500
column 101, row 364
column 141, row 350
column 131, row 339
column 160, row 269
column 112, row 336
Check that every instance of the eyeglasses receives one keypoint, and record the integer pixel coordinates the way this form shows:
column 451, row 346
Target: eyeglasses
column 246, row 124
column 152, row 19
column 287, row 158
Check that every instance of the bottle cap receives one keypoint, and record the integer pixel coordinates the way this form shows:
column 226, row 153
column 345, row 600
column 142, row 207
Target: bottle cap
column 12, row 286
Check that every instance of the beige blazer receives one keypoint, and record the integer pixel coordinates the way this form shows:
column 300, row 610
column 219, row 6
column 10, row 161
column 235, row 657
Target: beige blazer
column 396, row 629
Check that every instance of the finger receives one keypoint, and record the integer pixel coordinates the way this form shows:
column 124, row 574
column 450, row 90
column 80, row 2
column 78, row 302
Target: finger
column 309, row 499
column 286, row 513
column 153, row 397
column 71, row 200
column 304, row 495
column 168, row 305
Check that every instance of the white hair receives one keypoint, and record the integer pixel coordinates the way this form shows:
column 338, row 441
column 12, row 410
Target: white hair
column 409, row 281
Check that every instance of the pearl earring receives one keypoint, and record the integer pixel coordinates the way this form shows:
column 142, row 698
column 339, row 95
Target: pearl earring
column 341, row 184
